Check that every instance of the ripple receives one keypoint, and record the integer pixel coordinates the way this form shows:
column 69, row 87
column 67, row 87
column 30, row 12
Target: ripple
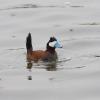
column 16, row 49
column 76, row 6
column 90, row 23
column 26, row 6
column 97, row 56
column 64, row 60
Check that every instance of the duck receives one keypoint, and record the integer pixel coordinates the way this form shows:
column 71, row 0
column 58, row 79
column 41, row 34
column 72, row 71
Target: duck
column 47, row 55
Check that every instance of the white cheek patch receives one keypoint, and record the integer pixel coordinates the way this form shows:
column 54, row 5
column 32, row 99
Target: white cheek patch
column 52, row 44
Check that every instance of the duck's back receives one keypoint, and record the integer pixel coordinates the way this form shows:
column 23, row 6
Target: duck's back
column 39, row 54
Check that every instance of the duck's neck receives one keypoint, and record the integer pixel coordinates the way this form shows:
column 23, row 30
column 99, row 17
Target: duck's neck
column 50, row 49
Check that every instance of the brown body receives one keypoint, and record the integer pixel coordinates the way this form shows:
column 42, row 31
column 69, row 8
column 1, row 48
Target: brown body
column 36, row 55
column 41, row 55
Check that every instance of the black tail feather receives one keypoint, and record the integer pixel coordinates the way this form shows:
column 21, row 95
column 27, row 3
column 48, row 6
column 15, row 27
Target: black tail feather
column 29, row 42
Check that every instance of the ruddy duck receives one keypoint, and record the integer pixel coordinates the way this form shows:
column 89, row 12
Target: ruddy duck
column 48, row 55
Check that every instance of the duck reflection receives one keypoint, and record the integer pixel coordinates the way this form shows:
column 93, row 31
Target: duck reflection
column 29, row 67
column 51, row 66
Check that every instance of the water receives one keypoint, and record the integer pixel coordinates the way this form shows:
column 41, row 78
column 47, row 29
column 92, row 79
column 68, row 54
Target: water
column 75, row 76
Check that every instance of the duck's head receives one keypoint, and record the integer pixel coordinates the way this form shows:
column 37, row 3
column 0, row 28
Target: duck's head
column 53, row 43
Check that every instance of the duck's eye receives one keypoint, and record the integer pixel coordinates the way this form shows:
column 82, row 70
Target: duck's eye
column 52, row 44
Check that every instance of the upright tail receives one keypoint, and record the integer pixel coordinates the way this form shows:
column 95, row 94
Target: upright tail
column 29, row 43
